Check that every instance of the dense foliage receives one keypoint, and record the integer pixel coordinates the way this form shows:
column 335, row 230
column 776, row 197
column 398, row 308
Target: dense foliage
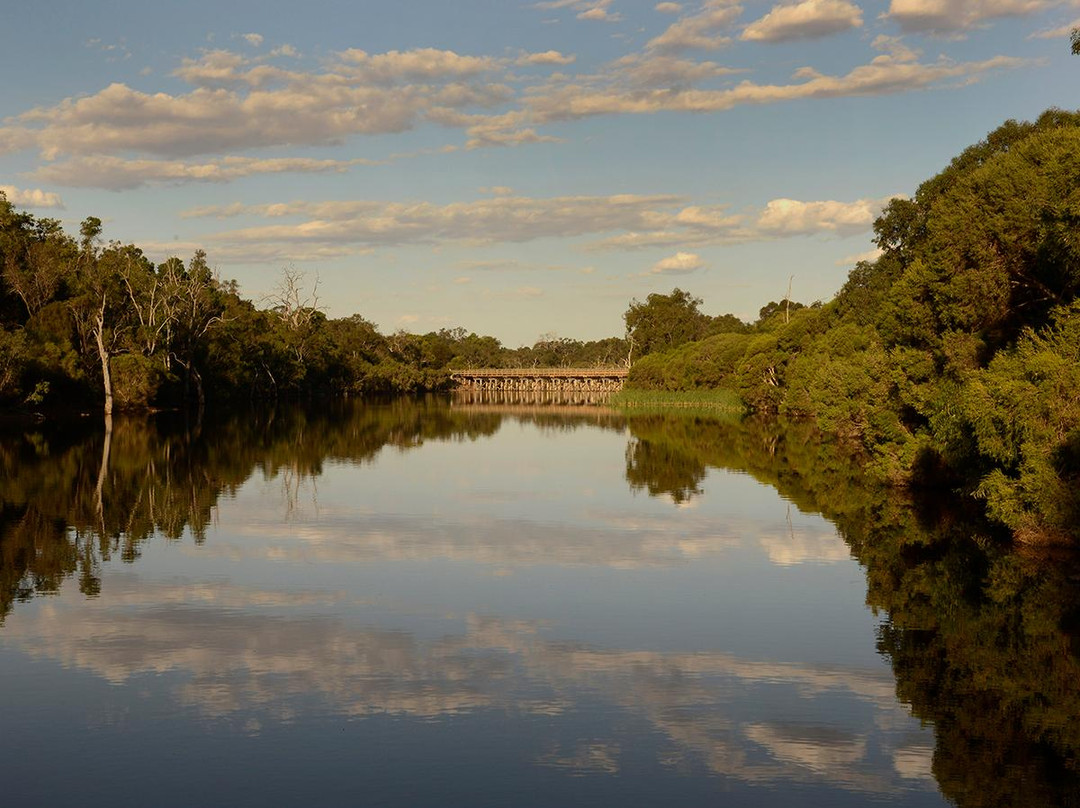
column 82, row 322
column 954, row 355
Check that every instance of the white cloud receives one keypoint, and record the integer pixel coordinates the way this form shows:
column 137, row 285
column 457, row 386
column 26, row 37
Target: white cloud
column 550, row 57
column 587, row 9
column 16, row 138
column 507, row 129
column 508, row 265
column 851, row 260
column 285, row 50
column 596, row 13
column 653, row 70
column 681, row 263
column 887, row 74
column 624, row 222
column 952, row 16
column 706, row 30
column 419, row 64
column 119, row 119
column 243, row 102
column 657, row 80
column 792, row 217
column 809, row 19
column 1060, row 32
column 275, row 255
column 238, row 103
column 115, row 173
column 668, row 8
column 31, row 197
column 214, row 68
column 893, row 47
column 255, row 40
column 500, row 219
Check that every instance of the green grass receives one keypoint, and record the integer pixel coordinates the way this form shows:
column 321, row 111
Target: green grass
column 711, row 401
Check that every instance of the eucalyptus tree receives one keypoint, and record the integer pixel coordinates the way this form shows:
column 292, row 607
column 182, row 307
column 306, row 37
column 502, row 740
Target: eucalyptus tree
column 198, row 305
column 665, row 321
column 102, row 305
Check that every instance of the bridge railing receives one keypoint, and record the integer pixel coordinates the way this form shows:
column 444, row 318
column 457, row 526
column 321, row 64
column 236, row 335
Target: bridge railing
column 578, row 373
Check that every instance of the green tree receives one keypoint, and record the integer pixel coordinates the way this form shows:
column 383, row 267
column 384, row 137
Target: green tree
column 102, row 305
column 664, row 321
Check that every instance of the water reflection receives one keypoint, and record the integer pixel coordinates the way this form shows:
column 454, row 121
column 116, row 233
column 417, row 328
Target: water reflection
column 983, row 644
column 240, row 653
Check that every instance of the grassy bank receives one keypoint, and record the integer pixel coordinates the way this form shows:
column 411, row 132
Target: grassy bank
column 714, row 402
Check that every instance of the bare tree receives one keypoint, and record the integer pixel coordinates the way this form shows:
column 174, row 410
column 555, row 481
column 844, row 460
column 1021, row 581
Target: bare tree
column 291, row 301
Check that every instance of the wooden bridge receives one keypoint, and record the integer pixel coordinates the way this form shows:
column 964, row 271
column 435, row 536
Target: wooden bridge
column 562, row 380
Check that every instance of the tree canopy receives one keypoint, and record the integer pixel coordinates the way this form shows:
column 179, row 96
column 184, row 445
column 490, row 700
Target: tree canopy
column 951, row 357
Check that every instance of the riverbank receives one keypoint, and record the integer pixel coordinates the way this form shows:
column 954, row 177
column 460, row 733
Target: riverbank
column 720, row 402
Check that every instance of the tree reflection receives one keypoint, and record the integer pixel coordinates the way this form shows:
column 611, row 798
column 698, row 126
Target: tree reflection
column 984, row 640
column 74, row 497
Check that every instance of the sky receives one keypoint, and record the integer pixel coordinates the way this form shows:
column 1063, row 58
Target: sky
column 519, row 169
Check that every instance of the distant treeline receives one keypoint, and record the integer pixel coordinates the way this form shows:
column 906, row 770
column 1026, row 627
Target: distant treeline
column 87, row 323
column 955, row 356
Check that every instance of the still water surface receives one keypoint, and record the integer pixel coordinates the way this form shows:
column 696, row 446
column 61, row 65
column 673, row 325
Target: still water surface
column 425, row 604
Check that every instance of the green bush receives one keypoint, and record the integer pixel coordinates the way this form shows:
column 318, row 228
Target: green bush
column 1025, row 416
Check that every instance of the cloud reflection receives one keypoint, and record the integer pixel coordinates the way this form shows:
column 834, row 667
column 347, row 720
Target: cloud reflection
column 592, row 537
column 253, row 656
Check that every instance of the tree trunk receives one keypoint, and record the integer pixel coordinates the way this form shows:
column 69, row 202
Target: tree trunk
column 99, row 328
column 200, row 395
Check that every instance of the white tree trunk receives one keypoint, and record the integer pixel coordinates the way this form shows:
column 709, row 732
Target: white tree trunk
column 99, row 329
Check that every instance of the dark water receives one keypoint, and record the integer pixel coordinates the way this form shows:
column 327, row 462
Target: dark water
column 425, row 604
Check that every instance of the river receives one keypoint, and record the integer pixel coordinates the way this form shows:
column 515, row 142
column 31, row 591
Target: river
column 432, row 602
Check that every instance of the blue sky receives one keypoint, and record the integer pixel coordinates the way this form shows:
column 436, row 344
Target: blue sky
column 514, row 168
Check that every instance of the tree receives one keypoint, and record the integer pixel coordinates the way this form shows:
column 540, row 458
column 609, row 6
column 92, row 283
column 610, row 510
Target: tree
column 101, row 307
column 38, row 270
column 665, row 321
column 772, row 308
column 198, row 305
column 36, row 257
column 478, row 352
